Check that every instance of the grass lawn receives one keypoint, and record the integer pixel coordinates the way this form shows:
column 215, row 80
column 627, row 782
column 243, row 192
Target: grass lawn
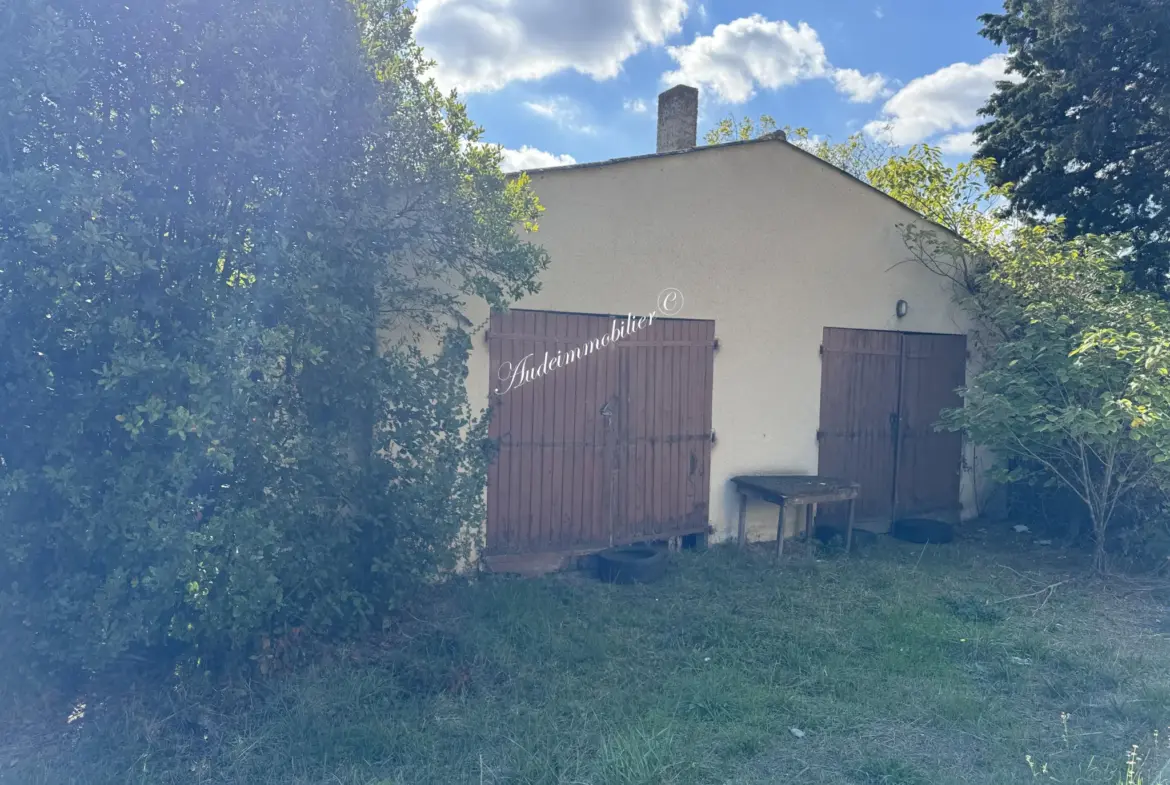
column 901, row 666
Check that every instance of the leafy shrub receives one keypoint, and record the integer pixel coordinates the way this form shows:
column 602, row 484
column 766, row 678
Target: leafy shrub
column 1070, row 389
column 213, row 214
column 1045, row 396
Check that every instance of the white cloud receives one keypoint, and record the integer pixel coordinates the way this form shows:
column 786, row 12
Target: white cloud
column 878, row 12
column 547, row 109
column 481, row 45
column 947, row 100
column 958, row 144
column 859, row 87
column 747, row 52
column 530, row 158
column 635, row 105
column 702, row 13
column 563, row 111
column 753, row 52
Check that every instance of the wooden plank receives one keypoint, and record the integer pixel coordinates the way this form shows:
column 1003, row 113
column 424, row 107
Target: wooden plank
column 605, row 330
column 495, row 425
column 580, row 435
column 686, row 426
column 658, row 425
column 633, row 409
column 522, row 404
column 598, row 521
column 534, row 539
column 499, row 538
column 562, row 481
column 590, row 487
column 683, row 448
column 623, row 443
column 516, row 456
column 493, row 489
column 644, row 489
column 708, row 412
column 641, row 484
column 859, row 393
column 929, row 462
column 610, row 427
column 676, row 480
column 696, row 393
column 550, row 455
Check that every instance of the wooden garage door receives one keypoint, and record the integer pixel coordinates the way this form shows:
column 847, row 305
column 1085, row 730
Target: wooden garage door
column 929, row 461
column 881, row 394
column 611, row 448
column 859, row 401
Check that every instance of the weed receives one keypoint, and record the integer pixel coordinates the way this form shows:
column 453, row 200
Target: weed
column 890, row 666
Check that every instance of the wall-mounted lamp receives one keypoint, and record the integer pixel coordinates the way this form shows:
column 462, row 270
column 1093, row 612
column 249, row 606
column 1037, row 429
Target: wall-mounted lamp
column 901, row 307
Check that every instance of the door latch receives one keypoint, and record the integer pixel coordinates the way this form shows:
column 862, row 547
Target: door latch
column 606, row 410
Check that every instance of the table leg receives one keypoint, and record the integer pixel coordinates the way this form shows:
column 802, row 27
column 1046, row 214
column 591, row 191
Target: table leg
column 780, row 532
column 849, row 528
column 808, row 527
column 742, row 520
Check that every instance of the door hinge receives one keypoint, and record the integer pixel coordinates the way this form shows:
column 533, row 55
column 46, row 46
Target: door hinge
column 712, row 437
column 820, row 435
column 715, row 345
column 821, row 350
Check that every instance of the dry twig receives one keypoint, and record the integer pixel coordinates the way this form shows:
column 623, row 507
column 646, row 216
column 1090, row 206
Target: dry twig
column 1046, row 591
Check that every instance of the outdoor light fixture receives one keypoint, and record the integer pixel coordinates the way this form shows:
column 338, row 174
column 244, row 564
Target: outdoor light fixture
column 900, row 308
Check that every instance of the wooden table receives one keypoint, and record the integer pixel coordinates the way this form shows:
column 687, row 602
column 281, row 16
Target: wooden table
column 785, row 489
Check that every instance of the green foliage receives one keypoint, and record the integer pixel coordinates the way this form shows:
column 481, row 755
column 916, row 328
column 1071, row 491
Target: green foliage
column 1067, row 391
column 957, row 198
column 1044, row 396
column 731, row 130
column 1082, row 130
column 544, row 681
column 214, row 214
column 858, row 155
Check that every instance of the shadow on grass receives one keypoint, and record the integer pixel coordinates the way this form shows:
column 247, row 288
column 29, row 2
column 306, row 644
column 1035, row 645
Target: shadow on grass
column 901, row 666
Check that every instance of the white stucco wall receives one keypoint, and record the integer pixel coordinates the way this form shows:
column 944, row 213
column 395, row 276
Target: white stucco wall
column 766, row 240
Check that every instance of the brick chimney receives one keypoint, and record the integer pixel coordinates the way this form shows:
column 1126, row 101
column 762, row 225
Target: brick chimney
column 678, row 119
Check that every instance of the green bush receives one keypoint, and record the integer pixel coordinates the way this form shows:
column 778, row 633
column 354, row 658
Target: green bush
column 1059, row 393
column 1070, row 387
column 209, row 213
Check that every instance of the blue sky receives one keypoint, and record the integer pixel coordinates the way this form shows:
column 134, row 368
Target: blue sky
column 562, row 81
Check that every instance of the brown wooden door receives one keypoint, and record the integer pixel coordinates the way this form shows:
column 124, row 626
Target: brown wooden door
column 859, row 402
column 547, row 485
column 610, row 448
column 929, row 462
column 881, row 394
column 664, row 430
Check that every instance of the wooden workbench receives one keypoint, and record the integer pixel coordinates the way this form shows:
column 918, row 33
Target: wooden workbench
column 786, row 489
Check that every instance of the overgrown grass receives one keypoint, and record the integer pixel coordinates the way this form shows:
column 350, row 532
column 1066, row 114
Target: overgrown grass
column 899, row 667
